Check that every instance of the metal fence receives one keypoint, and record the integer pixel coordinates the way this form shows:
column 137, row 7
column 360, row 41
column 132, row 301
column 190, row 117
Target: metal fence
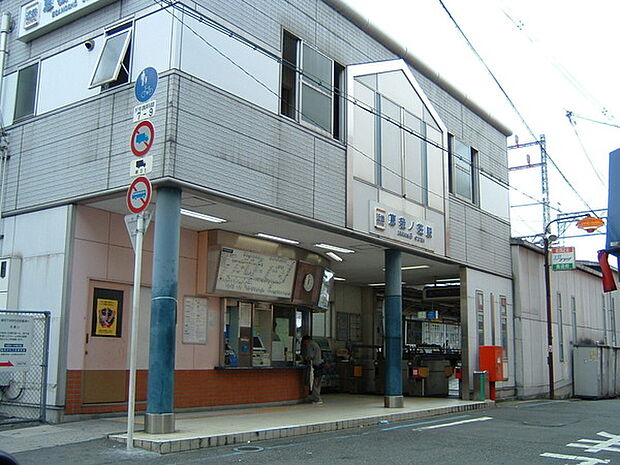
column 24, row 354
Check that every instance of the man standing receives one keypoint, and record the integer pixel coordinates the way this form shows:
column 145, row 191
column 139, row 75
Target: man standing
column 311, row 355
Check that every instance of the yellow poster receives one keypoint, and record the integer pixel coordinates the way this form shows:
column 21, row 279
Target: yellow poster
column 107, row 317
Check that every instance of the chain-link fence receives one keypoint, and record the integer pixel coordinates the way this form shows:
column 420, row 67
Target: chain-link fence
column 24, row 353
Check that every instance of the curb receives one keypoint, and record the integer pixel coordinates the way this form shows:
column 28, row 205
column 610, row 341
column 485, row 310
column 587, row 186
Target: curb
column 163, row 446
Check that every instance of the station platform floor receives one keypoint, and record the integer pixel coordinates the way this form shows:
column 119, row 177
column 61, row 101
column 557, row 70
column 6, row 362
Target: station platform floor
column 228, row 426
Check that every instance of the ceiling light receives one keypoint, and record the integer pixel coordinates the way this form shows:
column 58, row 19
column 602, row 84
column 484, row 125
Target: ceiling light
column 338, row 278
column 382, row 284
column 448, row 280
column 334, row 256
column 334, row 248
column 202, row 216
column 277, row 239
column 415, row 267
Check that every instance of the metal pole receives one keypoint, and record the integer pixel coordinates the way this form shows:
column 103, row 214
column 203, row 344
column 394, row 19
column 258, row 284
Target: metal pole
column 159, row 415
column 549, row 322
column 133, row 343
column 44, row 367
column 393, row 330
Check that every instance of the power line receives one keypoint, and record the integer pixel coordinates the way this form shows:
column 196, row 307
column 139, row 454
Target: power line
column 512, row 104
column 210, row 23
column 583, row 148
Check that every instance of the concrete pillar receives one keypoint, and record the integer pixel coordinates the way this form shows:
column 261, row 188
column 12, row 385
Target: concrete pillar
column 393, row 329
column 159, row 413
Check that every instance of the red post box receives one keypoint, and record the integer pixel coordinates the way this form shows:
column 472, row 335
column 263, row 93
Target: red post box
column 491, row 360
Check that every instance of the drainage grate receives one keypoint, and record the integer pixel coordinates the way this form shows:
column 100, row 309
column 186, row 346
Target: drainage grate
column 248, row 449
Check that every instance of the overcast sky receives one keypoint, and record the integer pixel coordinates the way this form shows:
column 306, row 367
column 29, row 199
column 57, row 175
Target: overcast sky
column 549, row 56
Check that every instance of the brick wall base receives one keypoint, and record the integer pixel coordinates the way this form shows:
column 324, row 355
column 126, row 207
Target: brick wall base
column 200, row 388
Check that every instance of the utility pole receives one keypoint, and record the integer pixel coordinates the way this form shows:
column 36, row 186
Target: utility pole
column 544, row 178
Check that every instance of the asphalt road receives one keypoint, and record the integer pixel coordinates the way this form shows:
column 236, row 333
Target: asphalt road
column 534, row 432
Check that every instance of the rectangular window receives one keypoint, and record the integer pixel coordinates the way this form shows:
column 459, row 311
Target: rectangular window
column 310, row 86
column 25, row 101
column 288, row 92
column 612, row 320
column 112, row 67
column 604, row 308
column 259, row 334
column 463, row 170
column 480, row 316
column 493, row 316
column 560, row 328
column 573, row 313
column 503, row 316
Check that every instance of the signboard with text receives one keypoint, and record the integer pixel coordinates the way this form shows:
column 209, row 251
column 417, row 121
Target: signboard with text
column 15, row 342
column 402, row 227
column 562, row 258
column 40, row 16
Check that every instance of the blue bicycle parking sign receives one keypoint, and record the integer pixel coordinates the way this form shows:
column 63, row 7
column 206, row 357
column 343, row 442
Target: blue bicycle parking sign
column 146, row 84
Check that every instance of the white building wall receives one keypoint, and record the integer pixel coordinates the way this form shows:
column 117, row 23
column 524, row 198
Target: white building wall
column 497, row 286
column 230, row 65
column 530, row 321
column 42, row 271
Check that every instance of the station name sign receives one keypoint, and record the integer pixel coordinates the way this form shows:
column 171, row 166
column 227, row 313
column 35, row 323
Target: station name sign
column 41, row 16
column 402, row 227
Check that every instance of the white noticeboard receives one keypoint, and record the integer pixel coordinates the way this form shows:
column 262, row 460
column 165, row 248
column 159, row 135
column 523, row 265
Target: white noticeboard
column 251, row 273
column 15, row 343
column 562, row 258
column 195, row 316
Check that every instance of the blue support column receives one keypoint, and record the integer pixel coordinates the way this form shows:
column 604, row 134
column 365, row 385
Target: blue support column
column 159, row 412
column 393, row 329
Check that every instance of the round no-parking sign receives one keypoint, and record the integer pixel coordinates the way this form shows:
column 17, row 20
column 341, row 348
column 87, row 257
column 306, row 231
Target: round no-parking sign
column 139, row 194
column 142, row 138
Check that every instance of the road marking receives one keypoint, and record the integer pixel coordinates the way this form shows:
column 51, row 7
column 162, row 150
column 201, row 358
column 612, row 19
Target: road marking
column 612, row 444
column 576, row 458
column 454, row 423
column 532, row 404
column 430, row 422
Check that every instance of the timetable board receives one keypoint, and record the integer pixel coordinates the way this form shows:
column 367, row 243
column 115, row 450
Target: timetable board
column 251, row 273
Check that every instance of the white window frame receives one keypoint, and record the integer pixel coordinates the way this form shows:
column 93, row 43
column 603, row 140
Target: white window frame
column 119, row 58
column 302, row 79
column 36, row 91
column 560, row 328
column 573, row 304
column 474, row 171
column 307, row 80
column 479, row 302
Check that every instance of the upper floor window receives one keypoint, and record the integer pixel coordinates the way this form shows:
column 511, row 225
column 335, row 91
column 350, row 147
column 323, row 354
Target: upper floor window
column 112, row 67
column 25, row 99
column 463, row 170
column 311, row 84
column 480, row 316
column 396, row 144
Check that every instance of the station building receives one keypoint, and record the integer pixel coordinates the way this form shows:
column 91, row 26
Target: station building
column 293, row 147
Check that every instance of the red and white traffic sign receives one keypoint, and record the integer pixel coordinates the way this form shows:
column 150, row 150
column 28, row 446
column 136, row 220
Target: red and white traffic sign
column 139, row 194
column 142, row 138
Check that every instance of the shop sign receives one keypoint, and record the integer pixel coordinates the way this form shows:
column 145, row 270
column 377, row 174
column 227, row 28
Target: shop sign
column 40, row 16
column 562, row 258
column 402, row 227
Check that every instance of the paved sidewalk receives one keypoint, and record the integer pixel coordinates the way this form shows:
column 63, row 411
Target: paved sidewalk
column 219, row 427
column 27, row 438
column 242, row 426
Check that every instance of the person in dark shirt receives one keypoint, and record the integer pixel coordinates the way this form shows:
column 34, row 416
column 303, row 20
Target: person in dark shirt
column 311, row 355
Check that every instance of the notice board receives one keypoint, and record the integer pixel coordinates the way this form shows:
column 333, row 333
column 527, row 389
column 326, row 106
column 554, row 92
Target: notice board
column 195, row 314
column 251, row 273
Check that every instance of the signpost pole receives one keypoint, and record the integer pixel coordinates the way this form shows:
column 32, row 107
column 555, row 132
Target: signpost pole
column 133, row 347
